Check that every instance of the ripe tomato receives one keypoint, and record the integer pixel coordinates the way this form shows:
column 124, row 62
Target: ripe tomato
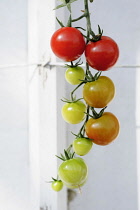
column 73, row 172
column 103, row 54
column 73, row 75
column 99, row 92
column 68, row 43
column 104, row 129
column 82, row 146
column 57, row 185
column 73, row 112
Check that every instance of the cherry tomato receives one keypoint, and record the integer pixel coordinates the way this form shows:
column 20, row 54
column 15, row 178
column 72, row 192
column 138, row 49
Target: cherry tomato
column 73, row 112
column 75, row 186
column 82, row 146
column 73, row 75
column 103, row 130
column 57, row 185
column 73, row 172
column 99, row 92
column 103, row 54
column 68, row 43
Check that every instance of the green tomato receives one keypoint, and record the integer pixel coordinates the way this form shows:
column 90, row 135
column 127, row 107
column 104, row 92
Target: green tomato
column 73, row 75
column 57, row 185
column 73, row 172
column 74, row 112
column 82, row 146
column 75, row 186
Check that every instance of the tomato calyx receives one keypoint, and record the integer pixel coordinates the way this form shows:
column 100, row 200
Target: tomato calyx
column 73, row 65
column 94, row 37
column 96, row 115
column 90, row 78
column 80, row 135
column 53, row 179
column 68, row 154
column 72, row 100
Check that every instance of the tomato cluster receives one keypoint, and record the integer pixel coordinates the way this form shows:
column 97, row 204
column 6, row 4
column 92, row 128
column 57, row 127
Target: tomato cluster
column 101, row 128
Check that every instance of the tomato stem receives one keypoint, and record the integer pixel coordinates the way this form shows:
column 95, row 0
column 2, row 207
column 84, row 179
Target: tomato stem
column 87, row 15
column 72, row 97
column 79, row 18
column 82, row 129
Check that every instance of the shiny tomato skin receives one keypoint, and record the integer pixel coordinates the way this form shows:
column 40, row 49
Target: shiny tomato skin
column 103, row 130
column 73, row 172
column 74, row 112
column 57, row 185
column 74, row 75
column 99, row 93
column 75, row 186
column 68, row 43
column 103, row 54
column 82, row 146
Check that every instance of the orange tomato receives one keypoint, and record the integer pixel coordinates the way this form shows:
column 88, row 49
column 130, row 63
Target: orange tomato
column 99, row 92
column 103, row 130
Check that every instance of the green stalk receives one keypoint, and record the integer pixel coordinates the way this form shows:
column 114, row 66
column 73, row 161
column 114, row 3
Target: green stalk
column 87, row 15
column 72, row 98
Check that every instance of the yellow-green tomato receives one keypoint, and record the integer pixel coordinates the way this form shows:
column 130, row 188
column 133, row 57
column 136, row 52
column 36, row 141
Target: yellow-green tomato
column 75, row 186
column 57, row 185
column 74, row 75
column 82, row 146
column 74, row 112
column 73, row 172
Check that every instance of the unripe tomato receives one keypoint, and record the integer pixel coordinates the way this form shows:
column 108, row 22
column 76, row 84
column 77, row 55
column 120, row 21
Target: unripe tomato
column 73, row 112
column 75, row 186
column 103, row 130
column 68, row 43
column 82, row 146
column 73, row 172
column 99, row 92
column 73, row 75
column 57, row 185
column 103, row 54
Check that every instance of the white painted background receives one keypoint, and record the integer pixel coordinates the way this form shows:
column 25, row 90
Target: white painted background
column 31, row 128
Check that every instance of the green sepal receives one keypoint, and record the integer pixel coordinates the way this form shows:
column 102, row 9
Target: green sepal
column 66, row 3
column 81, row 28
column 71, row 101
column 60, row 23
column 69, row 23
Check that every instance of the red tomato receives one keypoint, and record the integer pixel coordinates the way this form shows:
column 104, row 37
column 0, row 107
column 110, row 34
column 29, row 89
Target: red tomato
column 68, row 43
column 103, row 54
column 103, row 130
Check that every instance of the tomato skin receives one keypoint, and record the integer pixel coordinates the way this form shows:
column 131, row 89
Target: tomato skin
column 68, row 43
column 73, row 75
column 73, row 113
column 57, row 185
column 104, row 129
column 73, row 172
column 99, row 93
column 103, row 54
column 75, row 186
column 82, row 146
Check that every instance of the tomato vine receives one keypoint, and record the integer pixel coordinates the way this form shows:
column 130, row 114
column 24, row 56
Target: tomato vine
column 101, row 53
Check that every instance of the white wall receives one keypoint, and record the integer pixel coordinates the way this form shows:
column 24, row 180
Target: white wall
column 14, row 152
